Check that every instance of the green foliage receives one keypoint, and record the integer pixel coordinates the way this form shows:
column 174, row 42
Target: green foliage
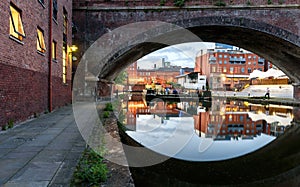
column 248, row 3
column 179, row 3
column 121, row 117
column 121, row 78
column 270, row 2
column 220, row 3
column 281, row 2
column 90, row 170
column 108, row 107
column 105, row 114
column 5, row 127
column 121, row 126
column 10, row 123
column 193, row 76
column 162, row 2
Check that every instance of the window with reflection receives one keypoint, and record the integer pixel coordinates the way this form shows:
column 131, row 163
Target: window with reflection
column 16, row 29
column 41, row 47
column 54, row 52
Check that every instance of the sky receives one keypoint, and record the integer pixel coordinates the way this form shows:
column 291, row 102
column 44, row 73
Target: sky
column 181, row 55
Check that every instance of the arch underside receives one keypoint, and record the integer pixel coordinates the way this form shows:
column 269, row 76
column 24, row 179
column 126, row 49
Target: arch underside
column 279, row 46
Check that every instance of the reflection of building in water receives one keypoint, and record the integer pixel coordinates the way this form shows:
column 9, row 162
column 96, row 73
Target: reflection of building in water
column 135, row 108
column 232, row 121
column 225, row 120
column 229, row 125
column 242, row 120
column 131, row 113
column 278, row 117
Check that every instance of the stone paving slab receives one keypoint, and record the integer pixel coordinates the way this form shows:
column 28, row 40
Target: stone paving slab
column 41, row 152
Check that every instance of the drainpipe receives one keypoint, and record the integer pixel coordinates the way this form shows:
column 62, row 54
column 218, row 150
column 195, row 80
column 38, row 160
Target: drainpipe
column 50, row 58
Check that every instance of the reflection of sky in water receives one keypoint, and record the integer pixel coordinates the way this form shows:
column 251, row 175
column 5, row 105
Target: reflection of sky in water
column 176, row 136
column 166, row 137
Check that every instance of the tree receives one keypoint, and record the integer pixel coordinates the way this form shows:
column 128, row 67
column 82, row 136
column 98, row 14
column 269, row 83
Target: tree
column 121, row 78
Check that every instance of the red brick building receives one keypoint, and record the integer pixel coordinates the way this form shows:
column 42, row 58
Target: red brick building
column 228, row 68
column 166, row 73
column 35, row 57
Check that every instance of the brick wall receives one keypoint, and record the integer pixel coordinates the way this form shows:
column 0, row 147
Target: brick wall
column 133, row 3
column 23, row 93
column 24, row 73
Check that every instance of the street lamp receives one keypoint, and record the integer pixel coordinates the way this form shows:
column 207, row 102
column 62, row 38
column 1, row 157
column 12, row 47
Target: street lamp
column 74, row 48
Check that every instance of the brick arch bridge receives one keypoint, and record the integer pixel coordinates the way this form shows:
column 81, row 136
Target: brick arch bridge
column 271, row 31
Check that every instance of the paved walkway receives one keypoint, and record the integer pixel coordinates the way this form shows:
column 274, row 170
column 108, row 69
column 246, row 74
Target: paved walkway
column 276, row 91
column 41, row 152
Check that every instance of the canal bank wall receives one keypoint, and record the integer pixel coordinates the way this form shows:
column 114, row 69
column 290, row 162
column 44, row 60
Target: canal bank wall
column 264, row 101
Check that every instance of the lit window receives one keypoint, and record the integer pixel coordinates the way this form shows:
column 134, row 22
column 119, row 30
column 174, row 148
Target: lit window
column 16, row 27
column 55, row 9
column 64, row 65
column 41, row 47
column 54, row 48
column 65, row 46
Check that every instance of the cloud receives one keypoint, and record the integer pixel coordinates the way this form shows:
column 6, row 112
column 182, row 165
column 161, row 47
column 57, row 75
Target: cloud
column 181, row 55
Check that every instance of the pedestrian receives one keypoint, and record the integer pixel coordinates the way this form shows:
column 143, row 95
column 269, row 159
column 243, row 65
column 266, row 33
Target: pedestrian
column 267, row 93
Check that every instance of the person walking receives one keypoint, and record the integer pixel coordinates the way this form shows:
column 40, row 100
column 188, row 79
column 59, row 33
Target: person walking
column 267, row 93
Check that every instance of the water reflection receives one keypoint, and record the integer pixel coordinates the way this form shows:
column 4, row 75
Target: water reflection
column 204, row 131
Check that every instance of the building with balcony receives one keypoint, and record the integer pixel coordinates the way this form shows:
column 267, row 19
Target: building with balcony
column 228, row 69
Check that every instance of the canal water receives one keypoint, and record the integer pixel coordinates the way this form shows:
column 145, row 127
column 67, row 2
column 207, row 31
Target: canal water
column 204, row 131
